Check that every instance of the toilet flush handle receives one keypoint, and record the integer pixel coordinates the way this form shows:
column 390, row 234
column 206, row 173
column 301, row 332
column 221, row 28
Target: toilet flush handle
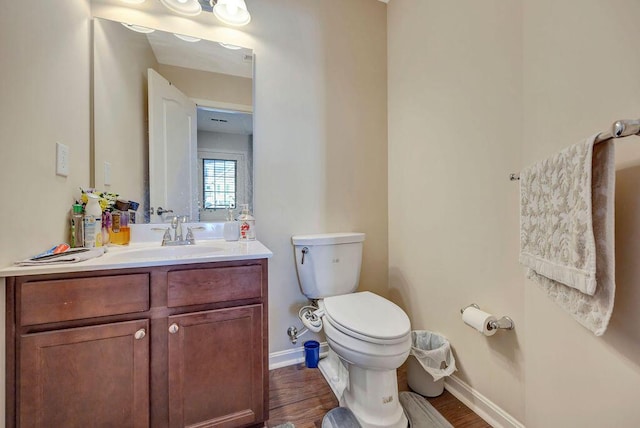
column 305, row 250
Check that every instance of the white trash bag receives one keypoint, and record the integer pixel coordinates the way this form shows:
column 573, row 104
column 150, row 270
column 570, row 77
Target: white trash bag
column 433, row 352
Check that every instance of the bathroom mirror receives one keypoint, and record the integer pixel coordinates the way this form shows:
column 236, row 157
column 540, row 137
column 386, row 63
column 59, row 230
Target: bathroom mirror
column 173, row 127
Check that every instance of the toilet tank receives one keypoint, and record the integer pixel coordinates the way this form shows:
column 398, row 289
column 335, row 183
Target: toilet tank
column 328, row 264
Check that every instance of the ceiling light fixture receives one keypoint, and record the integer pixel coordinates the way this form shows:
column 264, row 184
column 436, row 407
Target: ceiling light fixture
column 232, row 12
column 187, row 38
column 138, row 28
column 183, row 7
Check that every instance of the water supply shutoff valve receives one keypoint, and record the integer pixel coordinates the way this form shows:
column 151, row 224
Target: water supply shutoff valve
column 311, row 317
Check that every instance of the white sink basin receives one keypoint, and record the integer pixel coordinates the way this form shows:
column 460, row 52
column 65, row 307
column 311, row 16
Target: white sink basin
column 177, row 252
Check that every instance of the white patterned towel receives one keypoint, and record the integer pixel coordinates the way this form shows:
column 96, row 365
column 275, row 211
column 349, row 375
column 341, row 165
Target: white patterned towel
column 567, row 229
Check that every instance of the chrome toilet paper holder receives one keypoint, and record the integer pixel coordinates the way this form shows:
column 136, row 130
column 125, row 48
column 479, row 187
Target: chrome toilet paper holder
column 504, row 323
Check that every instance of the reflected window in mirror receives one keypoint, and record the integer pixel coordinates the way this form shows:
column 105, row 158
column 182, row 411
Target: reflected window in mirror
column 219, row 179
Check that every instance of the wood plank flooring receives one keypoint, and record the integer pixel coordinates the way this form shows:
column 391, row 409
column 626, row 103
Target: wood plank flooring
column 302, row 396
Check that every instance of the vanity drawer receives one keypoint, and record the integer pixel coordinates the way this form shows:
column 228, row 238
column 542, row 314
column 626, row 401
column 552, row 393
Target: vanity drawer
column 78, row 298
column 201, row 286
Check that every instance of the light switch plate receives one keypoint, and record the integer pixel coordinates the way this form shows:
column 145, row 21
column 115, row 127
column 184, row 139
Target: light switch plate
column 107, row 174
column 62, row 159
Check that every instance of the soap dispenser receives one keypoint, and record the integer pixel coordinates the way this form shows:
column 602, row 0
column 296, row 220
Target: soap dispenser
column 247, row 224
column 93, row 222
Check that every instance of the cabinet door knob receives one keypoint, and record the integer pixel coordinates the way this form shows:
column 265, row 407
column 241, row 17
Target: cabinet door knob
column 140, row 334
column 173, row 328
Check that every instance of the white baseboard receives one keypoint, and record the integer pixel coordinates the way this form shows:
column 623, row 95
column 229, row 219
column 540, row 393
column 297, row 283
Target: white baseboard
column 292, row 356
column 481, row 405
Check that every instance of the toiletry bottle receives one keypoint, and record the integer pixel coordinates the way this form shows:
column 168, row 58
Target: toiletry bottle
column 77, row 226
column 106, row 227
column 231, row 231
column 120, row 232
column 133, row 207
column 120, row 222
column 115, row 227
column 93, row 222
column 125, row 229
column 247, row 224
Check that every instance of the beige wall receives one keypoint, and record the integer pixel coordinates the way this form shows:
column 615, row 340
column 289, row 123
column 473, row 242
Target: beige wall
column 44, row 88
column 477, row 91
column 454, row 134
column 320, row 153
column 582, row 71
column 208, row 86
column 121, row 60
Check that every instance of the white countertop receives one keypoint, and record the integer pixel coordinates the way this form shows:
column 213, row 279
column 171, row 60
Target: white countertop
column 146, row 254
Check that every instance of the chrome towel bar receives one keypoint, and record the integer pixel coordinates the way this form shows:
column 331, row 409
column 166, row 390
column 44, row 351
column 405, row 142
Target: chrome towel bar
column 619, row 129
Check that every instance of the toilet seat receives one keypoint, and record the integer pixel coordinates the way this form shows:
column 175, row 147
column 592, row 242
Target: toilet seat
column 368, row 317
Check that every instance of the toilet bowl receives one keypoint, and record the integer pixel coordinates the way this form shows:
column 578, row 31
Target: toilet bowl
column 373, row 336
column 370, row 335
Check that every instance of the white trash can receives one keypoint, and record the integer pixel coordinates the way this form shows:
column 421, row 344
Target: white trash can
column 430, row 361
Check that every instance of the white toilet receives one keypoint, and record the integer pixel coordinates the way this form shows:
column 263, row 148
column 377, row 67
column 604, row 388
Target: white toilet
column 370, row 335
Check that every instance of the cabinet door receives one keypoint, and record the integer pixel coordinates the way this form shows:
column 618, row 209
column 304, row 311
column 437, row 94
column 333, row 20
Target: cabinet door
column 85, row 377
column 216, row 368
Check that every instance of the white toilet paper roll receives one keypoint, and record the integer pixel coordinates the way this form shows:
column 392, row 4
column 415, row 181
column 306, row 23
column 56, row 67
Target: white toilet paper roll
column 479, row 320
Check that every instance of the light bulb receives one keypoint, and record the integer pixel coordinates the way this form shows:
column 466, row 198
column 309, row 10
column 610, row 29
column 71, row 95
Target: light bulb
column 138, row 28
column 183, row 7
column 232, row 12
column 229, row 46
column 187, row 38
column 232, row 9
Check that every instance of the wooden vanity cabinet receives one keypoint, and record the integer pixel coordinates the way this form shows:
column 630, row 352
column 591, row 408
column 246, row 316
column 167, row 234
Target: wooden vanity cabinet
column 86, row 376
column 215, row 377
column 170, row 346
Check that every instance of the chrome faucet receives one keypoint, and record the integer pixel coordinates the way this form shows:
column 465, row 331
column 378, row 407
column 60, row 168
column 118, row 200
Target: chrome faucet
column 176, row 224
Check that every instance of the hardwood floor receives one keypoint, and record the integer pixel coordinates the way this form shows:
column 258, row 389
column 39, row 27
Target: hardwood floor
column 302, row 396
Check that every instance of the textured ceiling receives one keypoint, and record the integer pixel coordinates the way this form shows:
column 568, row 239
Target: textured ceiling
column 204, row 55
column 224, row 121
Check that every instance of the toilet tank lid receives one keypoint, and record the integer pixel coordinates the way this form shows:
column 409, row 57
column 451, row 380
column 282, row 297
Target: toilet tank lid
column 328, row 238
